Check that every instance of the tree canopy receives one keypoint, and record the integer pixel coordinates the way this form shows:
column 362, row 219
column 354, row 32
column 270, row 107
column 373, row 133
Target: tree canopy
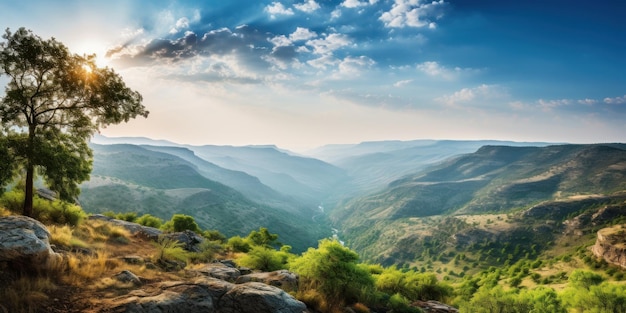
column 53, row 103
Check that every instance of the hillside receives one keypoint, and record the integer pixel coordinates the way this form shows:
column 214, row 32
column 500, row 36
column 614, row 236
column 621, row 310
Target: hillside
column 129, row 178
column 494, row 182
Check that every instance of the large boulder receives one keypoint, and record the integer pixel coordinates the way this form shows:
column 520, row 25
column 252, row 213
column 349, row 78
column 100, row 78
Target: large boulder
column 283, row 279
column 259, row 297
column 200, row 295
column 26, row 242
column 190, row 240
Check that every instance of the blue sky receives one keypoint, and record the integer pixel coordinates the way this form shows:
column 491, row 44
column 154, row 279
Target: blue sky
column 304, row 73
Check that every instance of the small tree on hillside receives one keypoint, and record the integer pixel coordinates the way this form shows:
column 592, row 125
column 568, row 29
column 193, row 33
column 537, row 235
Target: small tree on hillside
column 53, row 103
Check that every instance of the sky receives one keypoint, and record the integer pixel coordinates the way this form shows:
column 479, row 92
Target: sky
column 301, row 74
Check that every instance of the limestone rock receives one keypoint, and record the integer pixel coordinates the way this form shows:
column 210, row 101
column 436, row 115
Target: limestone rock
column 283, row 279
column 611, row 245
column 27, row 241
column 259, row 297
column 173, row 297
column 219, row 271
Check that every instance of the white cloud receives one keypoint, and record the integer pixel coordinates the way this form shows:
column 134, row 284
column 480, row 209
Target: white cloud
column 302, row 34
column 182, row 23
column 433, row 68
column 357, row 3
column 587, row 101
column 308, row 6
column 616, row 100
column 548, row 105
column 413, row 13
column 280, row 41
column 277, row 8
column 402, row 83
column 335, row 14
column 351, row 65
column 474, row 95
column 329, row 44
column 323, row 62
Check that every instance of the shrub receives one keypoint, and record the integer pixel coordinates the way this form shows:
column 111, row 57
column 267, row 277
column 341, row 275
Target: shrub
column 181, row 222
column 238, row 244
column 150, row 221
column 262, row 258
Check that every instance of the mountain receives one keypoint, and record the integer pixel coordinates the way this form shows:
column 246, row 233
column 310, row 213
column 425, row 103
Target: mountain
column 494, row 180
column 151, row 180
column 372, row 165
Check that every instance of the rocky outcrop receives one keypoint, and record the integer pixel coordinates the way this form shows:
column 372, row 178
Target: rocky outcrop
column 150, row 233
column 259, row 297
column 611, row 245
column 283, row 279
column 432, row 306
column 26, row 242
column 206, row 294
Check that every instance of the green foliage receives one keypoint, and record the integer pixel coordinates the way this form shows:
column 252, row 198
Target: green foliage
column 332, row 271
column 584, row 279
column 46, row 211
column 399, row 304
column 264, row 259
column 208, row 250
column 181, row 222
column 214, row 235
column 263, row 238
column 496, row 300
column 54, row 101
column 238, row 244
column 150, row 221
column 170, row 249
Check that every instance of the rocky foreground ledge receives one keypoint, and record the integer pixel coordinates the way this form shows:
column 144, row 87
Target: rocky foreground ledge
column 217, row 287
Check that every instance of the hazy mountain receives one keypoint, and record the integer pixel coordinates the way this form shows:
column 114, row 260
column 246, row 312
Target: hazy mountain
column 145, row 180
column 494, row 179
column 372, row 165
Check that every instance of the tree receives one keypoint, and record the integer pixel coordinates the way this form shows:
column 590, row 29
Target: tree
column 53, row 104
column 182, row 222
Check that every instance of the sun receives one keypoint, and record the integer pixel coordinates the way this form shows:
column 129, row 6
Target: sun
column 93, row 47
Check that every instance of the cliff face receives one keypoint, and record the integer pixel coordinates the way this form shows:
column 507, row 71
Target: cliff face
column 611, row 245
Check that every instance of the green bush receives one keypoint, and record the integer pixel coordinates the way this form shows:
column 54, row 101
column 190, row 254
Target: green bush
column 238, row 244
column 181, row 222
column 264, row 259
column 150, row 221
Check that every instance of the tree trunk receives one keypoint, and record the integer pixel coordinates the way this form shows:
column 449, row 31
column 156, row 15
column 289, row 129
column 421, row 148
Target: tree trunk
column 28, row 192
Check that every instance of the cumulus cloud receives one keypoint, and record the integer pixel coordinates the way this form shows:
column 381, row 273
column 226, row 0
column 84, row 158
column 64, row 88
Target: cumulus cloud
column 474, row 95
column 433, row 68
column 354, row 65
column 302, row 34
column 413, row 13
column 277, row 8
column 307, row 6
column 329, row 44
column 357, row 3
column 616, row 100
column 182, row 23
column 587, row 101
column 549, row 105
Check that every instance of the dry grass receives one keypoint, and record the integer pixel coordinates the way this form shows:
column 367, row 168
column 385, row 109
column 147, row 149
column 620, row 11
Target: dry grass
column 25, row 294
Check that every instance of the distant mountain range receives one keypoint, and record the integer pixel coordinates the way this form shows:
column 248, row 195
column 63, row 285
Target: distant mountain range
column 368, row 191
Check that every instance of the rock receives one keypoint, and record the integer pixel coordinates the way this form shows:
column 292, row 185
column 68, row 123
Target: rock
column 172, row 297
column 611, row 245
column 26, row 241
column 432, row 306
column 259, row 297
column 189, row 239
column 283, row 279
column 150, row 233
column 132, row 259
column 219, row 271
column 126, row 276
